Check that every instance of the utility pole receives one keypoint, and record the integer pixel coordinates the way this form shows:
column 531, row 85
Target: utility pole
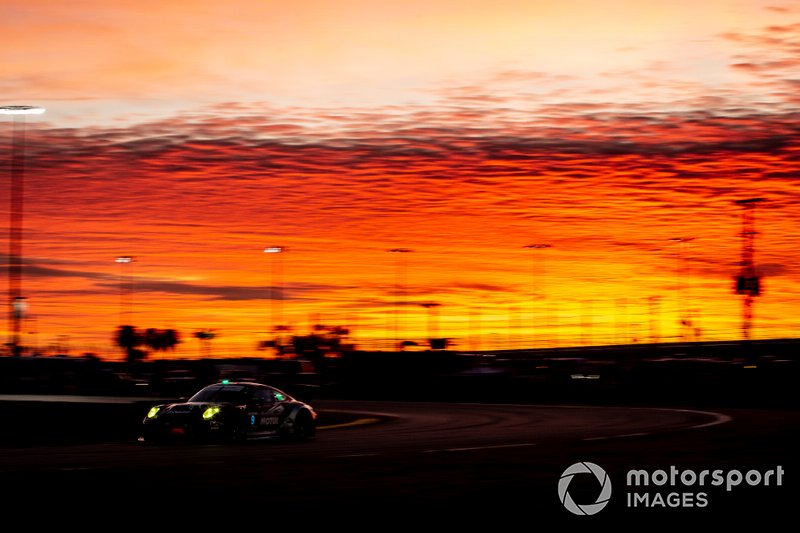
column 748, row 282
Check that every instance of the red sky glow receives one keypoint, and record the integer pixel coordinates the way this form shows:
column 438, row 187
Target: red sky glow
column 191, row 135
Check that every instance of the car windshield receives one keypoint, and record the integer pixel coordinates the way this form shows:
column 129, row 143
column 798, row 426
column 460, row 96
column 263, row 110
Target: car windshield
column 223, row 394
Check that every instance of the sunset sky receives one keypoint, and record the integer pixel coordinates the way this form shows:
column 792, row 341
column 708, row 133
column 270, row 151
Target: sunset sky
column 192, row 134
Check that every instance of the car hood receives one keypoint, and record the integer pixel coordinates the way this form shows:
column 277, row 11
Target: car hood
column 191, row 407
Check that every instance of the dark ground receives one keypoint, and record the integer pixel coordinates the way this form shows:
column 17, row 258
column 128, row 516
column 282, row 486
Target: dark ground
column 491, row 463
column 461, row 463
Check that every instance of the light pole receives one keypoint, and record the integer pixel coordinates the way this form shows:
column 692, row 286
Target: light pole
column 399, row 272
column 655, row 319
column 684, row 293
column 17, row 303
column 125, row 261
column 433, row 322
column 275, row 291
column 748, row 282
column 474, row 329
column 535, row 247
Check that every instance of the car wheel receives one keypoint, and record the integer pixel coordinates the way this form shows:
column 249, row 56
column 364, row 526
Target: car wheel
column 303, row 426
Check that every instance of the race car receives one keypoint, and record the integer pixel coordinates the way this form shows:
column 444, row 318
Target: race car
column 231, row 411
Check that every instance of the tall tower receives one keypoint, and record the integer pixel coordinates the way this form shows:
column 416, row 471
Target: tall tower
column 748, row 282
column 17, row 302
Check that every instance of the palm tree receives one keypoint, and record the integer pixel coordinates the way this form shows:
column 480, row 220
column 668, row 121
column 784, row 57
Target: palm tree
column 161, row 339
column 128, row 338
column 171, row 339
column 205, row 336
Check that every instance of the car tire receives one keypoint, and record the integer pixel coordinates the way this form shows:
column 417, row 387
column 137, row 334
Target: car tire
column 303, row 426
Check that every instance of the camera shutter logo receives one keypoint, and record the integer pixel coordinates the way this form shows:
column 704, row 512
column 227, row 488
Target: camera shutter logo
column 584, row 468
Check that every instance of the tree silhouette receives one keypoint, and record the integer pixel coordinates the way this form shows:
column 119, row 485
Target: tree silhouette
column 128, row 338
column 161, row 340
column 205, row 336
column 281, row 341
column 323, row 340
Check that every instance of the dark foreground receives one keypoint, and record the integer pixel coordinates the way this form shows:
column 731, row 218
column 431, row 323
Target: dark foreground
column 463, row 463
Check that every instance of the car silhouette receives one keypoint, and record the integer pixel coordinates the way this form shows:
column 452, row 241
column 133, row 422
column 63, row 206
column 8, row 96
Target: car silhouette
column 231, row 411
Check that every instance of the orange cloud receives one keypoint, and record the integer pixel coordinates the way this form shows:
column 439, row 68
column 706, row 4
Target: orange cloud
column 191, row 139
column 196, row 198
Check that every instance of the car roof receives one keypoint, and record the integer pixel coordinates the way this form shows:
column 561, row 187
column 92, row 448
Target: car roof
column 249, row 384
column 236, row 384
column 243, row 384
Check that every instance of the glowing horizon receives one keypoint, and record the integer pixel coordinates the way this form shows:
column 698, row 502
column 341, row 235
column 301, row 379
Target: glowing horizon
column 192, row 139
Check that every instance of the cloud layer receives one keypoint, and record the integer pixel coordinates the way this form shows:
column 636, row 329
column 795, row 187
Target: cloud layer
column 606, row 164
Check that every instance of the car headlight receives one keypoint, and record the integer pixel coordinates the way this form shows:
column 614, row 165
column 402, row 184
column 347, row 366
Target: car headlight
column 153, row 412
column 210, row 413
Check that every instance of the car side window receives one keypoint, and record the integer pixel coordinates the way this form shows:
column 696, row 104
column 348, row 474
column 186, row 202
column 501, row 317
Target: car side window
column 263, row 395
column 279, row 396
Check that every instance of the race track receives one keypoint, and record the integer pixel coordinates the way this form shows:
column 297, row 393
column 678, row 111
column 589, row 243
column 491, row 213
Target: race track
column 443, row 457
column 387, row 427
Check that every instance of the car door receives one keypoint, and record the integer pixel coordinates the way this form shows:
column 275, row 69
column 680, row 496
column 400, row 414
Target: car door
column 264, row 415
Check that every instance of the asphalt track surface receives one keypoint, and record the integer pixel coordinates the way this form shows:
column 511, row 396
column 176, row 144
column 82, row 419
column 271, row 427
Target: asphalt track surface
column 456, row 462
